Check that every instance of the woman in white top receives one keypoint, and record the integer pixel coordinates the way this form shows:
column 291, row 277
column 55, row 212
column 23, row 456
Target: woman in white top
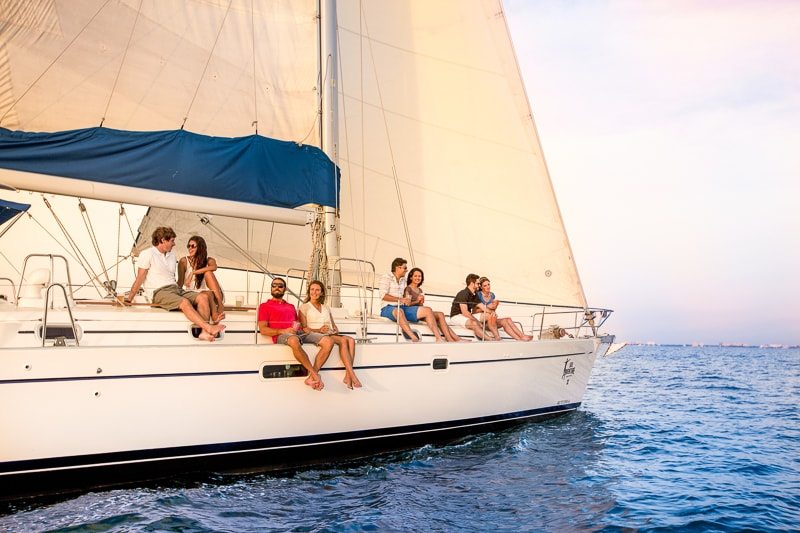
column 317, row 322
column 196, row 273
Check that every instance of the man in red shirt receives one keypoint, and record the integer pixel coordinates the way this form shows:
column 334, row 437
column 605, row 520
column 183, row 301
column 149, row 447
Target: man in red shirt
column 278, row 319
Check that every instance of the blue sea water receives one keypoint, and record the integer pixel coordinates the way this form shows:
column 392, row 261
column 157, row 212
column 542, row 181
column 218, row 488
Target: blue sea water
column 668, row 438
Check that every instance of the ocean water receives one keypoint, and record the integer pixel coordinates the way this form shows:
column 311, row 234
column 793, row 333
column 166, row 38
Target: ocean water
column 689, row 439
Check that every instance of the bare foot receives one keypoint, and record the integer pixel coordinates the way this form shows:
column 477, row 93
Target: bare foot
column 206, row 336
column 215, row 329
column 348, row 381
column 527, row 337
column 439, row 339
column 314, row 382
column 355, row 382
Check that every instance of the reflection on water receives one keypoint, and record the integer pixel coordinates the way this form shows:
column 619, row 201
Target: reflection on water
column 667, row 438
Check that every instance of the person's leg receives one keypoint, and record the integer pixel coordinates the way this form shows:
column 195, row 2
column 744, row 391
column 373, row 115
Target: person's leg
column 203, row 305
column 217, row 307
column 400, row 317
column 448, row 332
column 477, row 329
column 426, row 313
column 325, row 347
column 211, row 330
column 313, row 380
column 491, row 325
column 346, row 350
column 511, row 328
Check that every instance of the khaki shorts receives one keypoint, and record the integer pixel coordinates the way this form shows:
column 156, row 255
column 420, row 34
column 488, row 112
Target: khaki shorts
column 314, row 338
column 170, row 297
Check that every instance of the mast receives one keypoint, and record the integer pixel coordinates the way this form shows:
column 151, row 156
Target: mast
column 329, row 68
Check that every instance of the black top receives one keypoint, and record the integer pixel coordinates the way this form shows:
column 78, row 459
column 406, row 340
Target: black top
column 464, row 297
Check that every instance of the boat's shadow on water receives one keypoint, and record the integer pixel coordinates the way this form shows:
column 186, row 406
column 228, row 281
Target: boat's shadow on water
column 496, row 466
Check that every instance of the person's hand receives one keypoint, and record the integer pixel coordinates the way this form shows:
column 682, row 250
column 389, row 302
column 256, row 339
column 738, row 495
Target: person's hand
column 324, row 329
column 421, row 300
column 405, row 301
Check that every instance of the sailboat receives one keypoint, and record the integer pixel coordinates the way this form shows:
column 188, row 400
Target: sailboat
column 304, row 139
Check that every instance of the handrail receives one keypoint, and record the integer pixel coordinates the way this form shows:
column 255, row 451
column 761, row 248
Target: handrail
column 69, row 310
column 52, row 272
column 365, row 313
column 589, row 316
column 13, row 287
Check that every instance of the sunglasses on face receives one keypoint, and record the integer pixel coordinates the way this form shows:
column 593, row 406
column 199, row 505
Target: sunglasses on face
column 191, row 245
column 278, row 285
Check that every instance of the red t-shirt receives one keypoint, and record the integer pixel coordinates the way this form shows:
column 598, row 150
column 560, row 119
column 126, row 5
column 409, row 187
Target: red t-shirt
column 277, row 314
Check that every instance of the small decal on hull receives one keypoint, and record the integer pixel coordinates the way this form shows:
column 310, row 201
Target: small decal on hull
column 569, row 370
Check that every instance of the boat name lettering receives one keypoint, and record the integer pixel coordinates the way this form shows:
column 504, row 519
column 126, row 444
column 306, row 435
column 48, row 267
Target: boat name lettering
column 569, row 370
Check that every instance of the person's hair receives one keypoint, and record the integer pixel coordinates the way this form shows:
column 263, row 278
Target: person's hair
column 200, row 258
column 481, row 280
column 471, row 278
column 162, row 233
column 411, row 273
column 398, row 261
column 321, row 288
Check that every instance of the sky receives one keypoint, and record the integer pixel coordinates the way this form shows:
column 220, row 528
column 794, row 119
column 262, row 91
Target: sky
column 672, row 135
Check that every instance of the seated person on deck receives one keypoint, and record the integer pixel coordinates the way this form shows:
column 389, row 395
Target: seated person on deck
column 156, row 272
column 489, row 303
column 391, row 289
column 278, row 318
column 464, row 304
column 196, row 272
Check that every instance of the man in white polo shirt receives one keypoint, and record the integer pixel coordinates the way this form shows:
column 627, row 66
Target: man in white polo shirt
column 157, row 269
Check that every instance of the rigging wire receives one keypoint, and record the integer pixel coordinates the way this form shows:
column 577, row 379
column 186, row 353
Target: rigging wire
column 81, row 259
column 10, row 263
column 389, row 141
column 93, row 239
column 57, row 241
column 54, row 61
column 121, row 64
column 208, row 61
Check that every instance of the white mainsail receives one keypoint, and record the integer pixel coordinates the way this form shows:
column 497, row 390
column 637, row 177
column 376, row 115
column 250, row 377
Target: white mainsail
column 437, row 145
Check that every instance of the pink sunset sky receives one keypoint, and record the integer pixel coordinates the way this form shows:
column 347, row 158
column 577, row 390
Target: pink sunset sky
column 672, row 134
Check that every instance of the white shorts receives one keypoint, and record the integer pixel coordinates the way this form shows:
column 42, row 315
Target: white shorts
column 459, row 320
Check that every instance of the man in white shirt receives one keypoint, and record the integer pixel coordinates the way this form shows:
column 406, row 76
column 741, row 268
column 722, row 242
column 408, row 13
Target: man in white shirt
column 157, row 270
column 391, row 289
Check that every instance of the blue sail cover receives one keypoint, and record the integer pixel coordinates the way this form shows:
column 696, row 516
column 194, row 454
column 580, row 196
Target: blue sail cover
column 254, row 169
column 9, row 210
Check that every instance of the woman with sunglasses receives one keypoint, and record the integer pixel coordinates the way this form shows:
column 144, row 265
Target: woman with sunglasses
column 196, row 272
column 317, row 322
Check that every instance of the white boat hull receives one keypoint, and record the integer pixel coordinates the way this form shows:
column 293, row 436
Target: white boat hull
column 97, row 413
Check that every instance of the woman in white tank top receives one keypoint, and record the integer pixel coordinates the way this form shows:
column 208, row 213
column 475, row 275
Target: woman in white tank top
column 317, row 322
column 196, row 273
